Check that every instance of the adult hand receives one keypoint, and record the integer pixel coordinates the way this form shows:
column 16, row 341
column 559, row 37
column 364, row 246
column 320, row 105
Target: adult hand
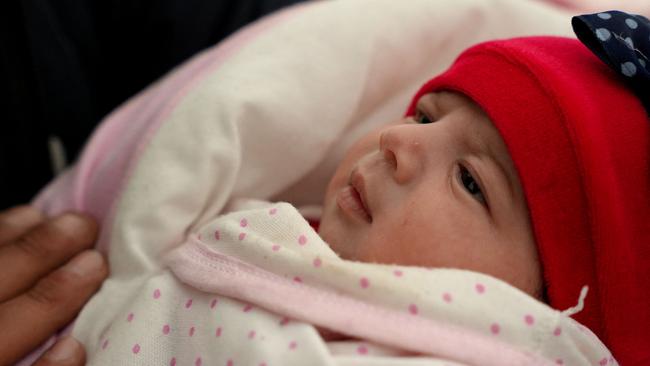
column 47, row 273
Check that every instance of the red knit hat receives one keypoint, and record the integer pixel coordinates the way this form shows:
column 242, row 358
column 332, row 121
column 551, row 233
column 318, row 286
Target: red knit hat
column 581, row 144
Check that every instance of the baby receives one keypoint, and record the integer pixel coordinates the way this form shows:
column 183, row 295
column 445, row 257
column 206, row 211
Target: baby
column 440, row 188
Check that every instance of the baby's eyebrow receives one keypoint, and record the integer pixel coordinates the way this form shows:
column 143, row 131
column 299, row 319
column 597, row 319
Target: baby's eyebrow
column 429, row 103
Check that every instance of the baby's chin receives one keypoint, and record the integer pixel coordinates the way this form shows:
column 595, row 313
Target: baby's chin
column 327, row 233
column 330, row 231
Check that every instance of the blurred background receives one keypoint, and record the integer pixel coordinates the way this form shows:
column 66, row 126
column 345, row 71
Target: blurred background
column 65, row 64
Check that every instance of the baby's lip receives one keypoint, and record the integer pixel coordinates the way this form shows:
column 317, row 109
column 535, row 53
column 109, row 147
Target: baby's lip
column 358, row 182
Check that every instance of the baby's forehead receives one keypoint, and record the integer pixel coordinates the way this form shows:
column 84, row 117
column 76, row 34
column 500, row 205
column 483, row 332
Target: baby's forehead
column 466, row 117
column 447, row 101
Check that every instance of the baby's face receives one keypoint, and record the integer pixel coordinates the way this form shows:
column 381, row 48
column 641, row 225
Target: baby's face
column 440, row 194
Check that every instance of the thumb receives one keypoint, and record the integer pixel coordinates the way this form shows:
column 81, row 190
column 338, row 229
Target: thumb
column 65, row 352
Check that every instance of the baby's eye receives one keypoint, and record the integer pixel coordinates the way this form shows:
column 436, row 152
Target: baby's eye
column 423, row 118
column 471, row 185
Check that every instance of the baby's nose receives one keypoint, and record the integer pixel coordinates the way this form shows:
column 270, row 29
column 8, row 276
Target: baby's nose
column 402, row 149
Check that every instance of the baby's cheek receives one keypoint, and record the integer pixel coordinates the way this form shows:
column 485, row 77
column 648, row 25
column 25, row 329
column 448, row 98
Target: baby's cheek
column 531, row 275
column 390, row 243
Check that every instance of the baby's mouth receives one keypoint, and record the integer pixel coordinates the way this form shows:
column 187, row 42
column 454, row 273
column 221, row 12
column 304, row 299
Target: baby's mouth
column 352, row 198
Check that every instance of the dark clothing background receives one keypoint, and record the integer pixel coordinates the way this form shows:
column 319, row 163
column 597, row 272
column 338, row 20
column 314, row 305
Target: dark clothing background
column 65, row 64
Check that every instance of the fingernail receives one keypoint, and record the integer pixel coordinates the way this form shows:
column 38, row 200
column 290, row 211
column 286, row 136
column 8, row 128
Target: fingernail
column 64, row 350
column 85, row 263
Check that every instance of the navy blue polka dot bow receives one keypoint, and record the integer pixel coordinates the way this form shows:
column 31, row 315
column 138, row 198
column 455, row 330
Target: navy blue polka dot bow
column 622, row 41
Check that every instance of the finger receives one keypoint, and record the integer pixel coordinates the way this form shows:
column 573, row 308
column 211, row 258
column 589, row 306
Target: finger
column 54, row 301
column 42, row 249
column 15, row 221
column 65, row 352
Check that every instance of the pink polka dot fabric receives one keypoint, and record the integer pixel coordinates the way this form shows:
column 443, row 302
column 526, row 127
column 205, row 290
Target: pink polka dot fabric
column 228, row 301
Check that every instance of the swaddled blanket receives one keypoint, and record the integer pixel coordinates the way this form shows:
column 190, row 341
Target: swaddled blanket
column 267, row 115
column 265, row 275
